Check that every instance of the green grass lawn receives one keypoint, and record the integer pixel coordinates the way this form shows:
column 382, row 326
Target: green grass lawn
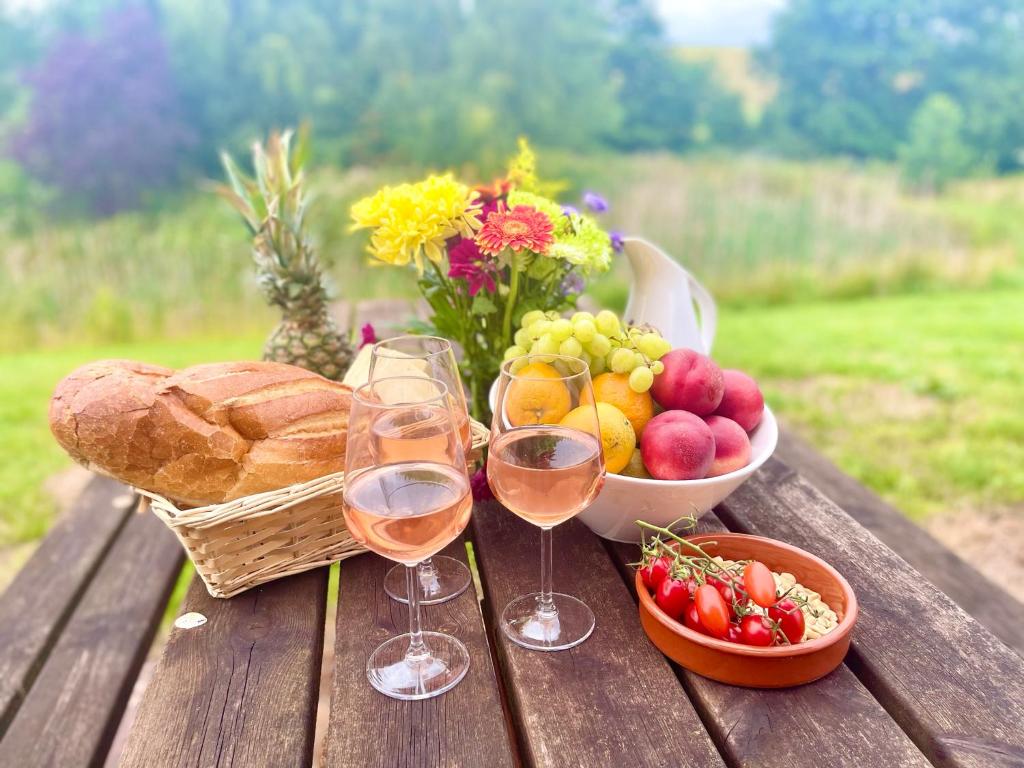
column 29, row 454
column 918, row 396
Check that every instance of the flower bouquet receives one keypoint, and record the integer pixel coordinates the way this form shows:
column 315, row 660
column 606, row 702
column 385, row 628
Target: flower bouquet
column 487, row 255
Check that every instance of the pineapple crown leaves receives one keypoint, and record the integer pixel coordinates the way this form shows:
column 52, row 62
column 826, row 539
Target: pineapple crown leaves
column 273, row 204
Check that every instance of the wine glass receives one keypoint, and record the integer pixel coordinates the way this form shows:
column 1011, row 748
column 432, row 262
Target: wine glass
column 407, row 497
column 546, row 464
column 440, row 578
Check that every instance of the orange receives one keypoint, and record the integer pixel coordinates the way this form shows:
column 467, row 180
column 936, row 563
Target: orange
column 614, row 388
column 532, row 399
column 617, row 436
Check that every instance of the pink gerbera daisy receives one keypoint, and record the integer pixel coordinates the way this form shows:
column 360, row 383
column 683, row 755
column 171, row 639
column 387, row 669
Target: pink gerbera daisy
column 523, row 227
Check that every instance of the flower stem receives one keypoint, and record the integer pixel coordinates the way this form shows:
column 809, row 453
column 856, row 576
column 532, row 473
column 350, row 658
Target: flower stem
column 510, row 302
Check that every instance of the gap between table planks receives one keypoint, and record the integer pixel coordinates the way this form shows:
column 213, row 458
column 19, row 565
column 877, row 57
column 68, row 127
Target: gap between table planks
column 240, row 690
column 989, row 603
column 71, row 713
column 463, row 727
column 955, row 688
column 35, row 606
column 834, row 721
column 610, row 701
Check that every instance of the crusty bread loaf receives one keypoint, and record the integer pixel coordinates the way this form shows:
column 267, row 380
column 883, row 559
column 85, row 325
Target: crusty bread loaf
column 205, row 434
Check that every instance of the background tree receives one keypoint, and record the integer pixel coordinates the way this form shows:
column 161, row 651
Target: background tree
column 935, row 152
column 104, row 124
column 853, row 73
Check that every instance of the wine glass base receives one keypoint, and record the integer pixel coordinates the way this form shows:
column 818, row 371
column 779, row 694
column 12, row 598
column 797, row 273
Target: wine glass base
column 523, row 625
column 450, row 578
column 392, row 674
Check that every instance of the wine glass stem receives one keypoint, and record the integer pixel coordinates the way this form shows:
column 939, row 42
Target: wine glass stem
column 425, row 571
column 546, row 608
column 417, row 648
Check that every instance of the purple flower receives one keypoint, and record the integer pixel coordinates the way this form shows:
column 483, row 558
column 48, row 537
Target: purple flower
column 618, row 242
column 570, row 210
column 369, row 335
column 466, row 262
column 572, row 284
column 595, row 202
column 478, row 484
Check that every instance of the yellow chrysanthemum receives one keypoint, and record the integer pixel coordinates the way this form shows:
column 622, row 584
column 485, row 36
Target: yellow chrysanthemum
column 413, row 220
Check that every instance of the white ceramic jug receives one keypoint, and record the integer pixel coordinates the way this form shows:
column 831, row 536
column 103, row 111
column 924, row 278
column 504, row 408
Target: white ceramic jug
column 668, row 297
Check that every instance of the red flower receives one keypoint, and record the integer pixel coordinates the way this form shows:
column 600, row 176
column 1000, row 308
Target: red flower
column 479, row 485
column 369, row 335
column 465, row 261
column 522, row 227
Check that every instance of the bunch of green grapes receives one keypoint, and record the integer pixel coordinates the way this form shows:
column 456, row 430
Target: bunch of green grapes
column 601, row 341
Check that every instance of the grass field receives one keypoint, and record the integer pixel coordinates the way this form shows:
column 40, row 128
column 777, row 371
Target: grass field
column 756, row 230
column 918, row 396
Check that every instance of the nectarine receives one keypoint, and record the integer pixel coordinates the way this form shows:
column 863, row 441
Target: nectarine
column 677, row 445
column 732, row 446
column 690, row 382
column 742, row 401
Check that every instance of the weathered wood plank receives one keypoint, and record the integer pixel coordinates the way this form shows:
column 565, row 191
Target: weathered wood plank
column 71, row 713
column 241, row 690
column 994, row 607
column 465, row 726
column 613, row 700
column 36, row 604
column 954, row 687
column 834, row 721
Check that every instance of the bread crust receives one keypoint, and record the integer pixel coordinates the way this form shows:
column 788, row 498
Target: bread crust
column 206, row 434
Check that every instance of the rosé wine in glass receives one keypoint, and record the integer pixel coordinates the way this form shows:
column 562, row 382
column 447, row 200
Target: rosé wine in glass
column 546, row 465
column 545, row 474
column 440, row 578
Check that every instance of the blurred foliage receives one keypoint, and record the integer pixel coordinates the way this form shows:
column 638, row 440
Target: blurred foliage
column 756, row 230
column 853, row 73
column 935, row 152
column 104, row 126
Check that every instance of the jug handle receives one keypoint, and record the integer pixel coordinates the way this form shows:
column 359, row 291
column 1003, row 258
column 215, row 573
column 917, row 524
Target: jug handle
column 707, row 308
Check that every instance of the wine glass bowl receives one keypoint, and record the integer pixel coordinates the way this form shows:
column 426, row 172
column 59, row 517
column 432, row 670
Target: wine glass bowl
column 406, row 500
column 545, row 464
column 440, row 578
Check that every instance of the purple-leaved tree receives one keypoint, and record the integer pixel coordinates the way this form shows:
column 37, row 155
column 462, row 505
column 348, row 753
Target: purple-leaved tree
column 104, row 123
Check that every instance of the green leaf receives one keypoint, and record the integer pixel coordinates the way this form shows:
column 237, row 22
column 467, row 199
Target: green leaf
column 482, row 305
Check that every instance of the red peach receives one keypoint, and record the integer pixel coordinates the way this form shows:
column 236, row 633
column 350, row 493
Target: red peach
column 676, row 445
column 732, row 446
column 690, row 382
column 742, row 401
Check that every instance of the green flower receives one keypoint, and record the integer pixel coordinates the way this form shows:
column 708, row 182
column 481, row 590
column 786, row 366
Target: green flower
column 586, row 246
column 543, row 204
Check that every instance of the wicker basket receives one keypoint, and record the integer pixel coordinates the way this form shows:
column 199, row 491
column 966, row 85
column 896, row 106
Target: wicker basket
column 239, row 544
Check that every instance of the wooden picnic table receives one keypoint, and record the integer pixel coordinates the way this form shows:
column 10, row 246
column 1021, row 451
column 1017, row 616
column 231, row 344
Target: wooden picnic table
column 924, row 682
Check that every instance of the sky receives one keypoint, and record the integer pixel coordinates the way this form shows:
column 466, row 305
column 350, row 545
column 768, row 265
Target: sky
column 743, row 23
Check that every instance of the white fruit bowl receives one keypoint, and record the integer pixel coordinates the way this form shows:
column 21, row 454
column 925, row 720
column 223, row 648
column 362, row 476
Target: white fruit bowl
column 624, row 500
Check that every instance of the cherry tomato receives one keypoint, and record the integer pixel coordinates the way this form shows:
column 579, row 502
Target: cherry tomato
column 655, row 572
column 760, row 585
column 728, row 595
column 712, row 610
column 790, row 618
column 755, row 630
column 691, row 620
column 691, row 586
column 672, row 597
column 734, row 635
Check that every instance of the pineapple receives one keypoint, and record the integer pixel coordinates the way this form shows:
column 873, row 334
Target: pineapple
column 273, row 206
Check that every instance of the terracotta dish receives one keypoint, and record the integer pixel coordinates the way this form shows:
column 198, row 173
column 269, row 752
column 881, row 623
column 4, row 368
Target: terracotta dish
column 775, row 667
